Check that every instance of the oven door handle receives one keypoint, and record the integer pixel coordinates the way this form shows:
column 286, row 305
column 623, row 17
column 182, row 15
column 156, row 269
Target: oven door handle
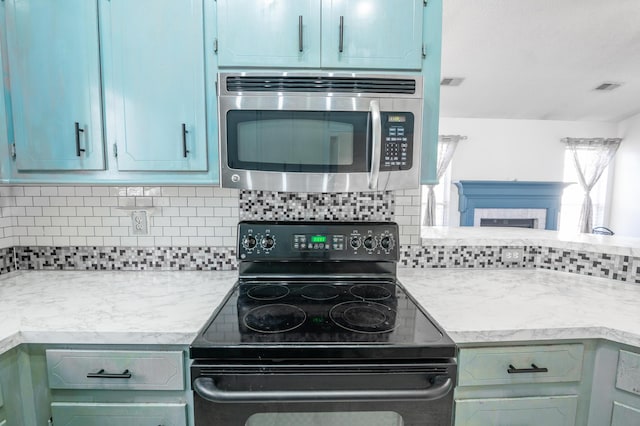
column 207, row 389
column 376, row 143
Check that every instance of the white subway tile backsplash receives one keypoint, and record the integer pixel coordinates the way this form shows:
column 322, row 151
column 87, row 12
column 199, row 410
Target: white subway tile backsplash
column 178, row 215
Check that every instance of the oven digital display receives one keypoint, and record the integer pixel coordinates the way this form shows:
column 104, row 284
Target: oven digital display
column 318, row 239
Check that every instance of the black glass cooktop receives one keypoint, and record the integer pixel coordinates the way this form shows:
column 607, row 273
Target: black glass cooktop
column 321, row 320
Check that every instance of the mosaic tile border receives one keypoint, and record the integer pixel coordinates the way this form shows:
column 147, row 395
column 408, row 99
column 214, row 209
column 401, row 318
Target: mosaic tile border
column 602, row 265
column 615, row 267
column 7, row 260
column 460, row 257
column 346, row 206
column 127, row 258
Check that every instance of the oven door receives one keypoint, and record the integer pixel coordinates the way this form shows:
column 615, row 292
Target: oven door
column 324, row 395
column 319, row 143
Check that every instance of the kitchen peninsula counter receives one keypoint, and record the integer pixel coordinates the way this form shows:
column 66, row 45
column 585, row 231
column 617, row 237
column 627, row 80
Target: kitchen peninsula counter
column 490, row 236
column 168, row 308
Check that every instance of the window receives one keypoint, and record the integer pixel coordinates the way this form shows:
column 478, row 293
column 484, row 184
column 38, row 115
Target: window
column 443, row 198
column 573, row 195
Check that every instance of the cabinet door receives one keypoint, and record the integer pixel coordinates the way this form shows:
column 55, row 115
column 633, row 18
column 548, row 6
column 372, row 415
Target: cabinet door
column 4, row 137
column 623, row 415
column 379, row 34
column 548, row 411
column 10, row 390
column 139, row 414
column 154, row 84
column 55, row 84
column 282, row 33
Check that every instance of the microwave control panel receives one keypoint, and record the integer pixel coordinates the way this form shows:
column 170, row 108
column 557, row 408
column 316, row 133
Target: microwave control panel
column 397, row 141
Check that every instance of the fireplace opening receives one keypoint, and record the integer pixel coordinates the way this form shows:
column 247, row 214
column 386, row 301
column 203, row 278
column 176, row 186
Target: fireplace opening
column 509, row 223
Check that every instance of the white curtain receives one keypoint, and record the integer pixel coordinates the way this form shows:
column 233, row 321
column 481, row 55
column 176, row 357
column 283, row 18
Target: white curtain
column 591, row 157
column 446, row 147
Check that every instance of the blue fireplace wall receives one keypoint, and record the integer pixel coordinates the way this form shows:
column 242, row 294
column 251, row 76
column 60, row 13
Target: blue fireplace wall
column 485, row 194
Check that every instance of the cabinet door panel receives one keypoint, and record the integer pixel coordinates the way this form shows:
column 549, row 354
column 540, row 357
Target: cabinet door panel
column 267, row 33
column 623, row 415
column 55, row 83
column 375, row 34
column 95, row 414
column 548, row 411
column 154, row 84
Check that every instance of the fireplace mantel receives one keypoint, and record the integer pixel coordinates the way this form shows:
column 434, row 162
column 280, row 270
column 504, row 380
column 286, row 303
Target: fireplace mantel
column 487, row 194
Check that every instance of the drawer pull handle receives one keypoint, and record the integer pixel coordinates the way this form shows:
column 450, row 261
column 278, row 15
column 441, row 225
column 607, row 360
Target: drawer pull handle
column 534, row 369
column 102, row 375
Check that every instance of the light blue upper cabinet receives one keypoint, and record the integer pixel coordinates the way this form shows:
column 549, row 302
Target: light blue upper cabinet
column 153, row 58
column 54, row 68
column 368, row 34
column 269, row 33
column 379, row 34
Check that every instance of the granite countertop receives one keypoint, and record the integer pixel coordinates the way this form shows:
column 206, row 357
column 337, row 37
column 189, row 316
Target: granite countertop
column 501, row 305
column 473, row 306
column 108, row 307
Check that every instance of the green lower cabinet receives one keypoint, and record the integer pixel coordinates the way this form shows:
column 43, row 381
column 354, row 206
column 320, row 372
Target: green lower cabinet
column 93, row 414
column 623, row 415
column 11, row 404
column 547, row 411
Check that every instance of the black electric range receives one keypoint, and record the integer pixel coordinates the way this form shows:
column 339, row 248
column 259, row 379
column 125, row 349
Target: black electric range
column 320, row 290
column 319, row 331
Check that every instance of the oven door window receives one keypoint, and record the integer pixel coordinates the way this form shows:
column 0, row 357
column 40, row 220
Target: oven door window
column 298, row 141
column 367, row 418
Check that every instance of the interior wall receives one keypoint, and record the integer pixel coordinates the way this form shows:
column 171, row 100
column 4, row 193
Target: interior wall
column 625, row 205
column 503, row 149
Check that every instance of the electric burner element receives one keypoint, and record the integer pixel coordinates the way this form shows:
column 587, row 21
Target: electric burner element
column 363, row 317
column 276, row 318
column 370, row 292
column 319, row 292
column 268, row 292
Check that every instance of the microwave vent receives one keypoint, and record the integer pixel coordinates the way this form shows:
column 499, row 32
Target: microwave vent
column 320, row 84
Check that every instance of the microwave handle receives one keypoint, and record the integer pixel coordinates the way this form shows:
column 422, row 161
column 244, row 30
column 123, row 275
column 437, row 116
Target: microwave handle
column 376, row 142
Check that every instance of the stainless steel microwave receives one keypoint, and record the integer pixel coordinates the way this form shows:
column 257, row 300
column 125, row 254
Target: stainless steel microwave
column 320, row 132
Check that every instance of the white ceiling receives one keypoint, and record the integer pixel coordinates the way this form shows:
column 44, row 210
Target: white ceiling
column 541, row 59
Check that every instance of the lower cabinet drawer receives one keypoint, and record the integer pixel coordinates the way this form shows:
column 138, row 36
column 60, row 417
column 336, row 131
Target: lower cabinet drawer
column 623, row 415
column 141, row 414
column 122, row 370
column 547, row 411
column 520, row 364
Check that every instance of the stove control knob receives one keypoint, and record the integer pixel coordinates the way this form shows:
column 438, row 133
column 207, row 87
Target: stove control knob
column 369, row 243
column 249, row 242
column 386, row 243
column 267, row 242
column 355, row 242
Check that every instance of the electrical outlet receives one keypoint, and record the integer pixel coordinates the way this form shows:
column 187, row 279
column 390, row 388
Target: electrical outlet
column 512, row 255
column 139, row 224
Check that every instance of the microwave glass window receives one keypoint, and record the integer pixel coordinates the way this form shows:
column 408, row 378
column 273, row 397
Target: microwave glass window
column 296, row 141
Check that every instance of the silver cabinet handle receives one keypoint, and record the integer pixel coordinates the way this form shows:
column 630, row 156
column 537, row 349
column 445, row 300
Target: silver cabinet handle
column 376, row 143
column 300, row 41
column 341, row 40
column 207, row 389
